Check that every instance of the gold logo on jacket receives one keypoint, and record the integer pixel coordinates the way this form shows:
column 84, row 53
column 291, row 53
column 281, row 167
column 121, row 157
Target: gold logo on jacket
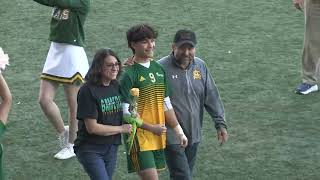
column 196, row 74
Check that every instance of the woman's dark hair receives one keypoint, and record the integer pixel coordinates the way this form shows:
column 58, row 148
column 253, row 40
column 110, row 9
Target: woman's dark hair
column 94, row 73
column 140, row 32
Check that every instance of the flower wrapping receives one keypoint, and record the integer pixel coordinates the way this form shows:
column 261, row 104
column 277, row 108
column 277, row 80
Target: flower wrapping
column 133, row 119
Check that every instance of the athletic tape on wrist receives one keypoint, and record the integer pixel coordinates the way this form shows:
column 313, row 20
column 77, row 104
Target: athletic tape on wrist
column 125, row 108
column 178, row 130
column 167, row 104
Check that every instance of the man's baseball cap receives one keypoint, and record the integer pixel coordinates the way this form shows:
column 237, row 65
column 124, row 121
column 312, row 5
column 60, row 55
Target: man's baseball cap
column 185, row 36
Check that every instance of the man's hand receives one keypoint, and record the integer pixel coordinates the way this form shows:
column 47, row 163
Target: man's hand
column 128, row 62
column 299, row 4
column 222, row 135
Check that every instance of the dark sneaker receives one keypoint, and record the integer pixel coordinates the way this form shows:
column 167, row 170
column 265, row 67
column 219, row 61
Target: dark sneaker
column 305, row 88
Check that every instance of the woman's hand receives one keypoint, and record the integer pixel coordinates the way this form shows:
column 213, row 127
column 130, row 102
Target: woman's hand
column 126, row 128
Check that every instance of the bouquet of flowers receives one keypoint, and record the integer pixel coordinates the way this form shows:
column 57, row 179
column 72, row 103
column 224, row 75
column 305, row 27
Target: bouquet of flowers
column 4, row 60
column 133, row 118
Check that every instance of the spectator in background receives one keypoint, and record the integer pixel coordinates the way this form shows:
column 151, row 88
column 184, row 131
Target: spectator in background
column 311, row 48
column 66, row 64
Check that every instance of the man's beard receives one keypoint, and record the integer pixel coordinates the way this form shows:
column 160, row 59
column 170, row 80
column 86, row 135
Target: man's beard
column 184, row 60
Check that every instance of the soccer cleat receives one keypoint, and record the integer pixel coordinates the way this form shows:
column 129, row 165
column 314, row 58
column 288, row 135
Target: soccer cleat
column 65, row 153
column 305, row 88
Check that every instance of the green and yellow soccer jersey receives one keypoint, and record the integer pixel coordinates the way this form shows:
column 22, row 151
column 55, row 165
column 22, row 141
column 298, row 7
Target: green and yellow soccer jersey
column 152, row 91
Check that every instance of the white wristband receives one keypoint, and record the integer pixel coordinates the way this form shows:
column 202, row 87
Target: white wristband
column 125, row 108
column 167, row 104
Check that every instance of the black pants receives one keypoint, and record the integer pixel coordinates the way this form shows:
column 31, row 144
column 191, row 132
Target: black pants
column 180, row 161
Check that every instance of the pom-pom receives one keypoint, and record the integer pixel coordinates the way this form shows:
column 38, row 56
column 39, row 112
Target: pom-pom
column 4, row 59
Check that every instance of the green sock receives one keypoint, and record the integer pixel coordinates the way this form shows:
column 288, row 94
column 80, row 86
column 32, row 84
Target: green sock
column 1, row 168
column 2, row 130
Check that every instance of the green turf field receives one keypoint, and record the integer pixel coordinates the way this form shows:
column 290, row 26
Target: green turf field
column 253, row 49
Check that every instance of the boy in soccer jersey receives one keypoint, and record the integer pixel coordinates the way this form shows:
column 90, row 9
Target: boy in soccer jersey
column 154, row 106
column 66, row 64
column 196, row 91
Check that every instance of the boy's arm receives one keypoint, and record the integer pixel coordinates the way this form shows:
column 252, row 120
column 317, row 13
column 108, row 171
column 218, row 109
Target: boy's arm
column 172, row 121
column 155, row 129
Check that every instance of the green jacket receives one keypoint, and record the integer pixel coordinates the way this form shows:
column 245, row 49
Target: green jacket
column 67, row 22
